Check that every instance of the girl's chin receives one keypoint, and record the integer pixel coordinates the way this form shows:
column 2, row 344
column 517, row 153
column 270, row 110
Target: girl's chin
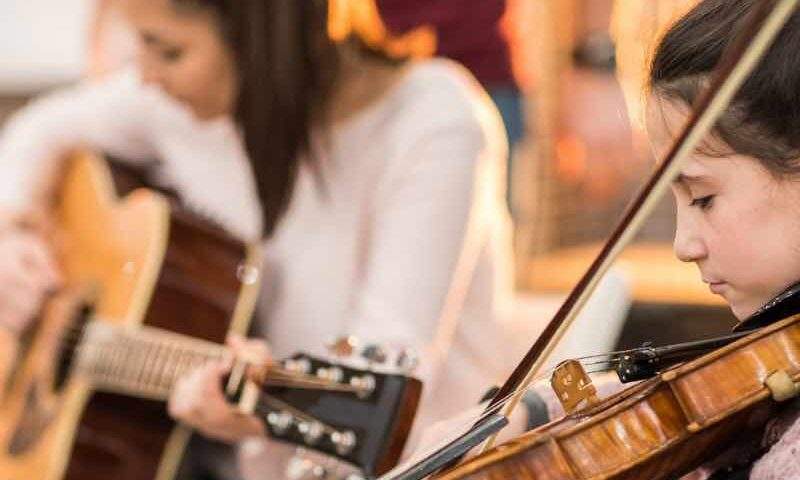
column 743, row 310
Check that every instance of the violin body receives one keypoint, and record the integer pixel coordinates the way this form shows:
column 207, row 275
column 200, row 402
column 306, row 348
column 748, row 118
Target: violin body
column 660, row 428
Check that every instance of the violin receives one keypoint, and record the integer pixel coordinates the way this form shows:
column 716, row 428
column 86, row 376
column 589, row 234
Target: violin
column 668, row 425
column 662, row 427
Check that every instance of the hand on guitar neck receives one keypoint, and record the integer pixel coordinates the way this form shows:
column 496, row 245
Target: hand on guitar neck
column 198, row 399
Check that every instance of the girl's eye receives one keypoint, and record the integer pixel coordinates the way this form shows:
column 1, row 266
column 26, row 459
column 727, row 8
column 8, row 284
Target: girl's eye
column 172, row 54
column 703, row 203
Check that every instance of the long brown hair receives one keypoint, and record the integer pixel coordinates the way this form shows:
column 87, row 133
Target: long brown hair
column 763, row 121
column 287, row 67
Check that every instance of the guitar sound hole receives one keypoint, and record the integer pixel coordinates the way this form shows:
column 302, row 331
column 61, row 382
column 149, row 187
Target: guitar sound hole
column 69, row 344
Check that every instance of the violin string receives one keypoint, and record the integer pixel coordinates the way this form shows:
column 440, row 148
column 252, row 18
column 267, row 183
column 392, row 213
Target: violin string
column 613, row 361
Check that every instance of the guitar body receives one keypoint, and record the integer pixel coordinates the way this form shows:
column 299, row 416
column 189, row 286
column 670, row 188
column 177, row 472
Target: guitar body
column 131, row 262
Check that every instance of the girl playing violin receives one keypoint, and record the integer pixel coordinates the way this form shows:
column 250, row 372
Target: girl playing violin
column 737, row 196
column 737, row 199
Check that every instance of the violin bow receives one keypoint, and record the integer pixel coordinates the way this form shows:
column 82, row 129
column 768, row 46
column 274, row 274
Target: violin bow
column 735, row 67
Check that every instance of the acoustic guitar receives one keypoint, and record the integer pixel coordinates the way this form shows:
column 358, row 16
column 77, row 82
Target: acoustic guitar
column 150, row 292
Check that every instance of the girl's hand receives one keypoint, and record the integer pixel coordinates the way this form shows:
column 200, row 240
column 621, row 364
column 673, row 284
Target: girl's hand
column 198, row 400
column 27, row 273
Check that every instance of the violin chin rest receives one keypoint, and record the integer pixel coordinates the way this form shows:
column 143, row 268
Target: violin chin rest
column 781, row 386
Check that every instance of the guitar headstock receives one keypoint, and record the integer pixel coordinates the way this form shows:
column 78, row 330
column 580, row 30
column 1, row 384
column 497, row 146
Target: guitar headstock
column 358, row 416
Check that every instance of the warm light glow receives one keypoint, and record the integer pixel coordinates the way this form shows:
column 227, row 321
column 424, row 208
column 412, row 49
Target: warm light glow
column 362, row 18
column 339, row 25
column 571, row 154
column 636, row 26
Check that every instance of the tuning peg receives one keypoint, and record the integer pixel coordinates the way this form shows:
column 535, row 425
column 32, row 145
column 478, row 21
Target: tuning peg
column 365, row 384
column 407, row 360
column 280, row 421
column 333, row 374
column 298, row 365
column 343, row 347
column 374, row 353
column 344, row 442
column 312, row 431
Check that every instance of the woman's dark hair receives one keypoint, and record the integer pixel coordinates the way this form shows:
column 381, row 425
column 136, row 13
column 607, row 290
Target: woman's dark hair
column 763, row 120
column 287, row 67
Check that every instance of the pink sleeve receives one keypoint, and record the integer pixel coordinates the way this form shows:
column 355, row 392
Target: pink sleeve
column 781, row 461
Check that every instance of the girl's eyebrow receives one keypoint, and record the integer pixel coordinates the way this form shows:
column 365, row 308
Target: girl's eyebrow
column 151, row 38
column 684, row 178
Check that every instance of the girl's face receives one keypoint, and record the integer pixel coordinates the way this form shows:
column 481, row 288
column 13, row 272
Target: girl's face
column 182, row 51
column 736, row 221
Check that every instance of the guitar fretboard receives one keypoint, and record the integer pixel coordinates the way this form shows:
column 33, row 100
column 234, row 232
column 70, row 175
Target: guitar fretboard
column 144, row 362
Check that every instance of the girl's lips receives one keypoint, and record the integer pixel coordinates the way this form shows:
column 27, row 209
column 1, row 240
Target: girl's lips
column 716, row 287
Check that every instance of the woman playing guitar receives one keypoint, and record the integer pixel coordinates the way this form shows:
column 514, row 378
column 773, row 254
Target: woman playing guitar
column 374, row 181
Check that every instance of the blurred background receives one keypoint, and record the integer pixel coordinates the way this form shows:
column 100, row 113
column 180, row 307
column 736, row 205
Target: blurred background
column 579, row 154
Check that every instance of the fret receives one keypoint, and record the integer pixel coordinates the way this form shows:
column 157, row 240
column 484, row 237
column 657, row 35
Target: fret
column 173, row 370
column 151, row 364
column 143, row 348
column 170, row 375
column 117, row 363
column 182, row 365
column 161, row 379
column 129, row 359
column 104, row 364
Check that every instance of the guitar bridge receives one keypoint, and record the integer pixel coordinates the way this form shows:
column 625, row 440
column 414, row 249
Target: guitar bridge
column 572, row 386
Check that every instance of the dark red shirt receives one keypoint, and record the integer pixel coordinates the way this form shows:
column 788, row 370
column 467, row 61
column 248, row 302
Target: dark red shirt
column 468, row 31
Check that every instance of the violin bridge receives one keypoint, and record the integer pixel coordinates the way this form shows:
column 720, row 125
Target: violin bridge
column 572, row 386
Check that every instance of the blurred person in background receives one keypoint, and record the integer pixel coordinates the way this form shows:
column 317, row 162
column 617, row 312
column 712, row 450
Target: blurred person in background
column 374, row 182
column 472, row 33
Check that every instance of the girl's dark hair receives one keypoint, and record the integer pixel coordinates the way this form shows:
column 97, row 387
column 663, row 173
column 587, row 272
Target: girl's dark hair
column 763, row 120
column 287, row 67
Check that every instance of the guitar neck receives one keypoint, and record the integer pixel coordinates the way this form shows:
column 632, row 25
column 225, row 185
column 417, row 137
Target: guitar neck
column 145, row 362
